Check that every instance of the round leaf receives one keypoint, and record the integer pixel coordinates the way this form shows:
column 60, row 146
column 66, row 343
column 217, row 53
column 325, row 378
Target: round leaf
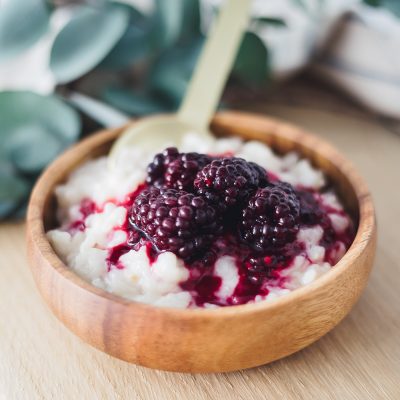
column 373, row 3
column 134, row 103
column 19, row 212
column 134, row 46
column 169, row 20
column 22, row 23
column 32, row 147
column 180, row 20
column 251, row 63
column 22, row 108
column 35, row 128
column 13, row 190
column 170, row 84
column 97, row 110
column 191, row 20
column 171, row 73
column 85, row 41
column 135, row 43
column 392, row 5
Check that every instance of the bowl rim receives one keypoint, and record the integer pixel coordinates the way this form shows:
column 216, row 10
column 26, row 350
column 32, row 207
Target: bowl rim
column 364, row 235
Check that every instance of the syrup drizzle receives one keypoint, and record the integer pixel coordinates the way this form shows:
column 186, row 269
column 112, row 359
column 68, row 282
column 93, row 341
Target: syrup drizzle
column 202, row 283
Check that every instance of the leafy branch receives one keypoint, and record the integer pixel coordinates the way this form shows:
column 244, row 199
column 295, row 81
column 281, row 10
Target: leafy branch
column 109, row 61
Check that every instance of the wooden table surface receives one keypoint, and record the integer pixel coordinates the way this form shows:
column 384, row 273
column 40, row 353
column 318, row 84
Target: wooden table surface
column 359, row 359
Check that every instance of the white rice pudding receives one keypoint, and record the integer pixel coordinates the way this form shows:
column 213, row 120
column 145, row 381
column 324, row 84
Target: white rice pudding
column 92, row 213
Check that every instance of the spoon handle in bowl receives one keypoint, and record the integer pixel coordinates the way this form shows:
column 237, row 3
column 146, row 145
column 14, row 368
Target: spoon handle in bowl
column 215, row 62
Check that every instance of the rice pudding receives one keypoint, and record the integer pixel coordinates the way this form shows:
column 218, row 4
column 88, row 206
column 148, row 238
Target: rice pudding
column 212, row 224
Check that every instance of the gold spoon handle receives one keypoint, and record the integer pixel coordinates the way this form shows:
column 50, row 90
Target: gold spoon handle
column 216, row 59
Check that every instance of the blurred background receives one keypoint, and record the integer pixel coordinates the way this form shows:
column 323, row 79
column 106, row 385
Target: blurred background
column 69, row 67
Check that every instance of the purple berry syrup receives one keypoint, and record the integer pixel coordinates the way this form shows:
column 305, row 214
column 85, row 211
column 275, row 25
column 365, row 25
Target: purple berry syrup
column 202, row 283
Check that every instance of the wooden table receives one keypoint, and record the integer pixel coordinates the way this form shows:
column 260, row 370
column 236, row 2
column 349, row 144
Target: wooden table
column 360, row 359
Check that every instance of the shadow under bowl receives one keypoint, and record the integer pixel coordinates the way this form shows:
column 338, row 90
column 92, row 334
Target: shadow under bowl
column 201, row 340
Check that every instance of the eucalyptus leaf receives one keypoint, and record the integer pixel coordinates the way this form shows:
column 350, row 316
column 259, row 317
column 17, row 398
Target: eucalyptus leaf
column 34, row 128
column 32, row 147
column 135, row 44
column 19, row 108
column 392, row 5
column 171, row 73
column 20, row 211
column 169, row 20
column 13, row 191
column 278, row 22
column 373, row 3
column 86, row 40
column 176, row 19
column 97, row 110
column 190, row 26
column 22, row 24
column 134, row 103
column 251, row 64
column 170, row 84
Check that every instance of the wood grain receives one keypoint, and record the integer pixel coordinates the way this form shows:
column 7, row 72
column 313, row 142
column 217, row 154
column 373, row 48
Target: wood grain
column 359, row 359
column 224, row 339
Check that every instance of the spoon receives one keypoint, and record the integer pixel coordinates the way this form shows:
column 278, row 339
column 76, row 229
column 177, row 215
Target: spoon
column 204, row 91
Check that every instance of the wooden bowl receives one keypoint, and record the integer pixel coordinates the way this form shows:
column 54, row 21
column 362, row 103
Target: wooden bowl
column 201, row 340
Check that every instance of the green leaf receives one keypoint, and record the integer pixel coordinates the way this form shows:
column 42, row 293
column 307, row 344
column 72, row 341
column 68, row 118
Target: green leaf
column 169, row 20
column 19, row 108
column 134, row 45
column 392, row 5
column 134, row 103
column 32, row 147
column 20, row 211
column 13, row 190
column 190, row 26
column 170, row 84
column 278, row 22
column 22, row 23
column 97, row 110
column 172, row 71
column 86, row 40
column 176, row 19
column 373, row 3
column 251, row 64
column 34, row 129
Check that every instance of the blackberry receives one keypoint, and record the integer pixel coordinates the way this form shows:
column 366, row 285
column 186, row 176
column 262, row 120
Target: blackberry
column 310, row 211
column 174, row 220
column 262, row 174
column 175, row 170
column 156, row 169
column 227, row 181
column 313, row 213
column 271, row 217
